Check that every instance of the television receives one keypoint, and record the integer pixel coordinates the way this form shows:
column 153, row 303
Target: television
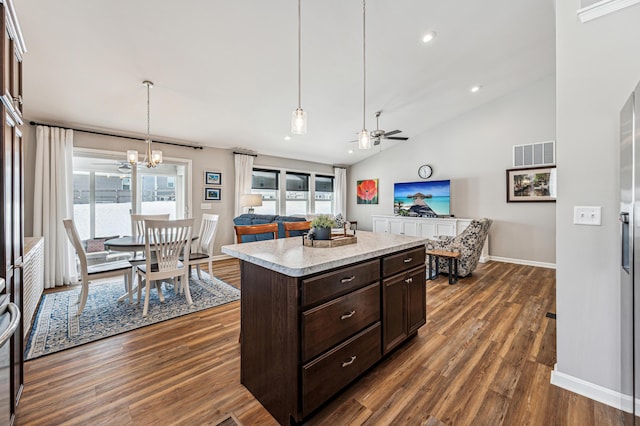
column 425, row 199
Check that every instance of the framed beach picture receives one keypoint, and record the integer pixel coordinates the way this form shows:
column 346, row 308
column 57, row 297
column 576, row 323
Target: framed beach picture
column 531, row 184
column 212, row 194
column 212, row 178
column 367, row 191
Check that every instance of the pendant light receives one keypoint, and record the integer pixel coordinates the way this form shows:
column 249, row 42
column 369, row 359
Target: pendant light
column 151, row 157
column 299, row 117
column 364, row 140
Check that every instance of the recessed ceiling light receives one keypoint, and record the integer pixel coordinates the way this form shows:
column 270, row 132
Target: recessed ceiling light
column 287, row 138
column 350, row 151
column 428, row 36
column 476, row 88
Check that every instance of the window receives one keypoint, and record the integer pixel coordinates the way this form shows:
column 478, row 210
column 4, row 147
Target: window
column 265, row 183
column 107, row 190
column 324, row 194
column 297, row 196
column 298, row 193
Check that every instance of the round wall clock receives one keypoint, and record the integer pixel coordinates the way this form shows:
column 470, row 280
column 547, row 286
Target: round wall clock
column 425, row 171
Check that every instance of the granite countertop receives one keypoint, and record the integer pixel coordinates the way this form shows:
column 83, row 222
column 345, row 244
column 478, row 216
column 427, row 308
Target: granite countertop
column 290, row 257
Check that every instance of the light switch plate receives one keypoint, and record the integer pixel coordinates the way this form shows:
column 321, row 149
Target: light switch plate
column 205, row 206
column 587, row 215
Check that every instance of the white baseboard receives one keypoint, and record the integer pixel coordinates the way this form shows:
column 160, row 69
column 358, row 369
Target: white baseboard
column 592, row 391
column 523, row 262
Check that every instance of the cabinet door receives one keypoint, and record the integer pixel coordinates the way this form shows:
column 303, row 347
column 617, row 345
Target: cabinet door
column 394, row 317
column 379, row 225
column 416, row 299
column 396, row 227
column 447, row 228
column 428, row 229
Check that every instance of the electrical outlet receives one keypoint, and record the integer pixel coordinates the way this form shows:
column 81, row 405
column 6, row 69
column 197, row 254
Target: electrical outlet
column 205, row 206
column 587, row 215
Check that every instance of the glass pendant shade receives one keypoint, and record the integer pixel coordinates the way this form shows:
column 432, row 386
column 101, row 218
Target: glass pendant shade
column 364, row 141
column 132, row 157
column 156, row 157
column 299, row 122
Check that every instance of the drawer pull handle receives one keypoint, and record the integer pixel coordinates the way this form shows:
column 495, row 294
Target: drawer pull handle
column 408, row 260
column 347, row 280
column 349, row 315
column 347, row 363
column 408, row 280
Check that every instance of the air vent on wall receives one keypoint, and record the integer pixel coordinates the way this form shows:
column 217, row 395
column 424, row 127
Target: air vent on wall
column 534, row 154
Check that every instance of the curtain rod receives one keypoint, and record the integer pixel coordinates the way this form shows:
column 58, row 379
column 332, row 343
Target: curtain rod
column 113, row 135
column 245, row 153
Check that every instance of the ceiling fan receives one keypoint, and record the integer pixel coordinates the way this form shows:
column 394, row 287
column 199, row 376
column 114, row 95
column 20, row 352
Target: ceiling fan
column 378, row 134
column 122, row 166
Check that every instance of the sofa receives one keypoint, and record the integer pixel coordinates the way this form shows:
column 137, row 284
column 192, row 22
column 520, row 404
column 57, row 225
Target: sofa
column 260, row 219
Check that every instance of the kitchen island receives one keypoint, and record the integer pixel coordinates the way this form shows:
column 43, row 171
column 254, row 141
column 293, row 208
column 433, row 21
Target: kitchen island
column 314, row 319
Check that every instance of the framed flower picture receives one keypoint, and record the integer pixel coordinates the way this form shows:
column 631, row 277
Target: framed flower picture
column 367, row 191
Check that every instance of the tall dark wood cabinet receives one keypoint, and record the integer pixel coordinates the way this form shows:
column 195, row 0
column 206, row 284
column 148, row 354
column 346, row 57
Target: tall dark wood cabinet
column 11, row 181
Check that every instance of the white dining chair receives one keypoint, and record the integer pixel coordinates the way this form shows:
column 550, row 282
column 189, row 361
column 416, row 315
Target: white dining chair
column 203, row 247
column 165, row 242
column 97, row 271
column 137, row 224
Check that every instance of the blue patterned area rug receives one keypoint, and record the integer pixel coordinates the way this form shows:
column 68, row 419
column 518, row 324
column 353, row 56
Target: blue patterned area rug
column 57, row 327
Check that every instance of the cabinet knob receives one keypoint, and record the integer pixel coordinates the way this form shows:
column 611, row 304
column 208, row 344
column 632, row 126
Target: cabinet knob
column 347, row 280
column 408, row 280
column 347, row 363
column 349, row 315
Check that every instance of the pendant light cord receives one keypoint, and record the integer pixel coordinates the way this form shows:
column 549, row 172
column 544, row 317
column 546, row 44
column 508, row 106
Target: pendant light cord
column 364, row 64
column 299, row 53
column 148, row 116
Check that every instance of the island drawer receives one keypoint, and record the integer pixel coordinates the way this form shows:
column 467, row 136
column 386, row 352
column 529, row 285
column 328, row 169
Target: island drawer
column 326, row 375
column 327, row 286
column 402, row 261
column 327, row 325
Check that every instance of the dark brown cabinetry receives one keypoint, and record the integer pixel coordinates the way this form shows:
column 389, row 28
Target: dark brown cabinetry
column 306, row 338
column 11, row 183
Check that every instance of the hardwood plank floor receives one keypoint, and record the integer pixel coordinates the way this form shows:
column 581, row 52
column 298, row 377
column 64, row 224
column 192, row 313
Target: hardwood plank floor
column 483, row 358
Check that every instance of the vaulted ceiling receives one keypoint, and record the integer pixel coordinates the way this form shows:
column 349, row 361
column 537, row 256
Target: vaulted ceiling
column 225, row 72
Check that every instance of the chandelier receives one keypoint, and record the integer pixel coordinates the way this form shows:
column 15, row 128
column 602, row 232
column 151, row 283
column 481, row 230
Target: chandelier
column 151, row 157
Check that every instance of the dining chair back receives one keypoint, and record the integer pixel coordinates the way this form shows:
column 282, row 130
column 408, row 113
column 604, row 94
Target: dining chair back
column 95, row 271
column 267, row 228
column 203, row 247
column 295, row 226
column 137, row 222
column 165, row 242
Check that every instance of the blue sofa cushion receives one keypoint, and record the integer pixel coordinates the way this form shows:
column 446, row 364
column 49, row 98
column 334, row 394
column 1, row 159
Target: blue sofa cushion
column 259, row 219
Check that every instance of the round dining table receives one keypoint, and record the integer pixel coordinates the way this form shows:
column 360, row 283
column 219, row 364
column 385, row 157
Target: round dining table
column 129, row 243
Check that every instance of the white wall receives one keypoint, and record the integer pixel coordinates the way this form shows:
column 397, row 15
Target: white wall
column 597, row 67
column 474, row 150
column 208, row 159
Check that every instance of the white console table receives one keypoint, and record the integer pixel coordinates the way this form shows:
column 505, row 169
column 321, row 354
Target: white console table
column 428, row 227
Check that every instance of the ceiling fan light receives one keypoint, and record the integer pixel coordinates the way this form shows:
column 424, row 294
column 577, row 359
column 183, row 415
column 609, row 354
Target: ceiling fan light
column 299, row 122
column 132, row 156
column 364, row 141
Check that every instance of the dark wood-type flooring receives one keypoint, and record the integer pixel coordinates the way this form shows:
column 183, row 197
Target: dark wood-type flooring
column 483, row 358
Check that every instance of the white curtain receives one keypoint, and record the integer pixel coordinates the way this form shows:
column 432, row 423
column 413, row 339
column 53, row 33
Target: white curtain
column 340, row 191
column 53, row 202
column 244, row 170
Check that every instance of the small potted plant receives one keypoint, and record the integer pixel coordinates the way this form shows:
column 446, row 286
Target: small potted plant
column 322, row 225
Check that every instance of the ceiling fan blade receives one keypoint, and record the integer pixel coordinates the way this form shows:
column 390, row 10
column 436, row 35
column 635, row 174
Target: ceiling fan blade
column 393, row 132
column 397, row 138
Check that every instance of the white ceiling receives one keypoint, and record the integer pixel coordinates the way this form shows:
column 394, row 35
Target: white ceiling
column 225, row 72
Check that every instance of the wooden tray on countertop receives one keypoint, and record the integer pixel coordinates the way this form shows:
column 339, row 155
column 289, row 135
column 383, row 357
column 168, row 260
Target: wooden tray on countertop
column 335, row 241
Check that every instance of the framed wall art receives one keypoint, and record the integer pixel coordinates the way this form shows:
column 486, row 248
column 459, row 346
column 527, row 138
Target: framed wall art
column 367, row 191
column 531, row 184
column 212, row 194
column 212, row 178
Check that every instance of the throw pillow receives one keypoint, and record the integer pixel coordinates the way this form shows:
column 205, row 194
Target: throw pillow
column 95, row 245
